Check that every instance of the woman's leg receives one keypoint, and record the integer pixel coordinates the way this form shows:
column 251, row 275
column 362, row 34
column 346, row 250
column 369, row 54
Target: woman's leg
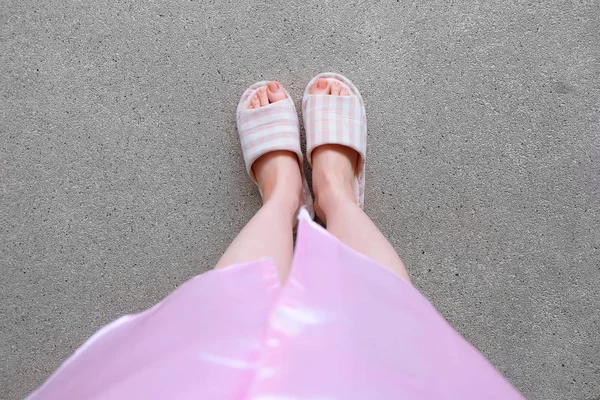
column 269, row 232
column 335, row 203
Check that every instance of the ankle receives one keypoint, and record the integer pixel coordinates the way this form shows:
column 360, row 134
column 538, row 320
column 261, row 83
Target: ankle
column 279, row 178
column 333, row 197
column 285, row 195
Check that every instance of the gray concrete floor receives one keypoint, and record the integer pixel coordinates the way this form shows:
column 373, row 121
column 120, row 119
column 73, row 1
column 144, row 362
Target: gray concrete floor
column 121, row 174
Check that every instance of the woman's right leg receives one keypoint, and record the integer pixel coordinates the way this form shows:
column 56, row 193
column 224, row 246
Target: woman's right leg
column 335, row 203
column 270, row 232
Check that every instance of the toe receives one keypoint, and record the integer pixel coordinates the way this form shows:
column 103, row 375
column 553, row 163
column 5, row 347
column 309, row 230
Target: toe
column 262, row 96
column 321, row 86
column 254, row 102
column 275, row 91
column 344, row 91
column 335, row 88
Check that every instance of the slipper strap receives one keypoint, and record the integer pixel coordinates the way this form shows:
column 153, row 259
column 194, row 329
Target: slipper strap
column 266, row 129
column 335, row 120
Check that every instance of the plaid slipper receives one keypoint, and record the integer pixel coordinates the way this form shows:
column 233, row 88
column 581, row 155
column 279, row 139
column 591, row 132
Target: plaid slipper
column 270, row 128
column 337, row 120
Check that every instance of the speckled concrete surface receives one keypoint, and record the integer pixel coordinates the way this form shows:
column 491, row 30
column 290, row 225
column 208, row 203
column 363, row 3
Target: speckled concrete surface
column 121, row 174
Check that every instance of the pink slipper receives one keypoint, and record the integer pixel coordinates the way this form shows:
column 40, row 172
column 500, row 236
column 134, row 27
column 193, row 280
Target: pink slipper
column 270, row 128
column 337, row 120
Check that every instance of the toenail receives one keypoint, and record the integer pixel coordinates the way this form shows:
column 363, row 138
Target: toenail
column 273, row 86
column 321, row 83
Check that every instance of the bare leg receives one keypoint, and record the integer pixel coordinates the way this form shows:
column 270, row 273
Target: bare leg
column 269, row 232
column 335, row 203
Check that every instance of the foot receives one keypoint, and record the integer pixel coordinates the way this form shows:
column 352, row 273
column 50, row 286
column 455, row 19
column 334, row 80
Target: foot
column 334, row 166
column 278, row 172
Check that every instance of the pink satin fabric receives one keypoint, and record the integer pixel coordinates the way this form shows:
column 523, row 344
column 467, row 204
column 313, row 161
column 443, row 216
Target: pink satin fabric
column 341, row 327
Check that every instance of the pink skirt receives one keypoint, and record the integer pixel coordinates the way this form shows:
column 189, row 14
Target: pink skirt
column 341, row 327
